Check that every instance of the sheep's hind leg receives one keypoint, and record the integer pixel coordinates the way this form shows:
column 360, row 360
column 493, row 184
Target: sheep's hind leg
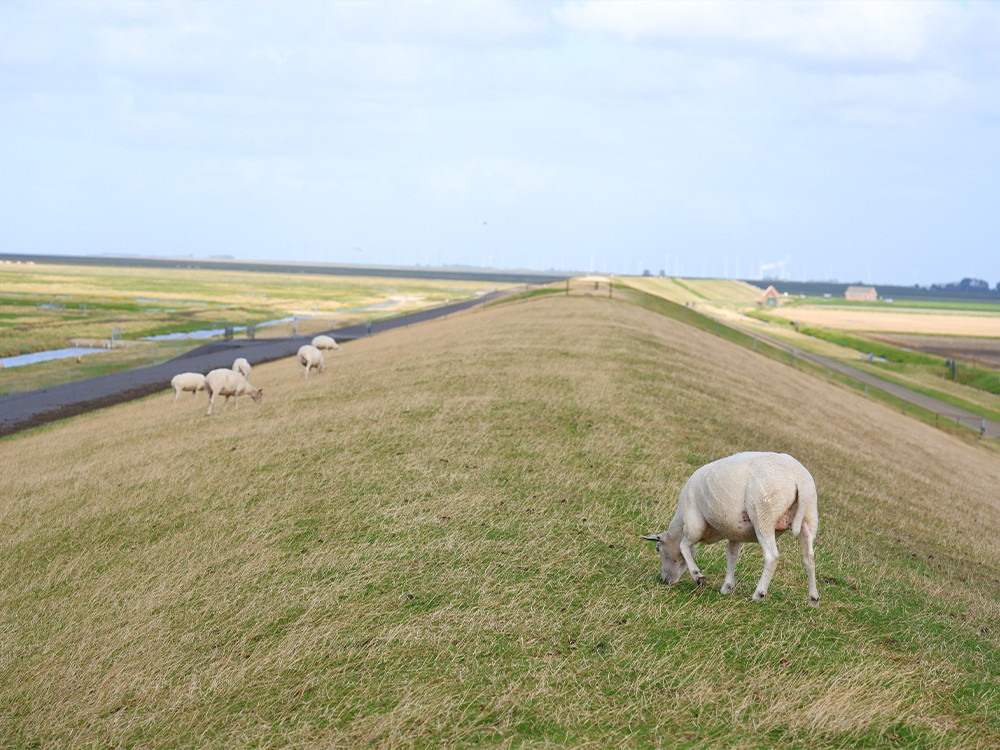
column 686, row 552
column 732, row 555
column 770, row 548
column 806, row 536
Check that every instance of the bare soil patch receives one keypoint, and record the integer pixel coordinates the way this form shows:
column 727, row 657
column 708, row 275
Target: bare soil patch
column 986, row 351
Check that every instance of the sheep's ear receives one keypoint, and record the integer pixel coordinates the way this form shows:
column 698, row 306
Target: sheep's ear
column 655, row 538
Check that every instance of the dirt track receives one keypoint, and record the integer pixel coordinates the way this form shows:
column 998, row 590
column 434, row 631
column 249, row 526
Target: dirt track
column 22, row 411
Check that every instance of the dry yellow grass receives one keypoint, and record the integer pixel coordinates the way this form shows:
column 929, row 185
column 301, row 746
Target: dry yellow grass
column 434, row 544
column 682, row 291
column 941, row 322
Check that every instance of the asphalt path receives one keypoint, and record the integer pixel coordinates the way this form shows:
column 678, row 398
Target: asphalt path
column 986, row 426
column 22, row 411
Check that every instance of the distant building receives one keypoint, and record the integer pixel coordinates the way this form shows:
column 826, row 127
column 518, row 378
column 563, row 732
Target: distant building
column 861, row 294
column 770, row 296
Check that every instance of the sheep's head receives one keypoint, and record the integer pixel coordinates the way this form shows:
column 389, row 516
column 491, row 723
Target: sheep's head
column 670, row 554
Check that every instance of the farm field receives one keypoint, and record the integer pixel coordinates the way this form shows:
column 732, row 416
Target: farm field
column 436, row 544
column 939, row 322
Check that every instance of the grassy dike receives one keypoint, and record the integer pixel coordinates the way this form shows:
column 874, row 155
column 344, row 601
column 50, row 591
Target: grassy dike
column 435, row 544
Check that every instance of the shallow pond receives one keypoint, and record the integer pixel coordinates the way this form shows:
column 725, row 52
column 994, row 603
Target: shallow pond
column 35, row 357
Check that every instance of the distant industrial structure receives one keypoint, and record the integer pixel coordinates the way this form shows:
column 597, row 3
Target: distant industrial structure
column 861, row 294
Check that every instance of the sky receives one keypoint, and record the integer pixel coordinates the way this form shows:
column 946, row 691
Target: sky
column 850, row 141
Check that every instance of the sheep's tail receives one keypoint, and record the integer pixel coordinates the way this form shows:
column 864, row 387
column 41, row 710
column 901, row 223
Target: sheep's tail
column 800, row 513
column 805, row 496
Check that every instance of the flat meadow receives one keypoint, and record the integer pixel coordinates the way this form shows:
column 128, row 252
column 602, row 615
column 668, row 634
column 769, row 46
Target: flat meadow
column 436, row 544
column 45, row 307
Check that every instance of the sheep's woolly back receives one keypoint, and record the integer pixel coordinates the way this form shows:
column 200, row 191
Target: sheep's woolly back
column 310, row 356
column 752, row 482
column 188, row 380
column 226, row 382
column 325, row 342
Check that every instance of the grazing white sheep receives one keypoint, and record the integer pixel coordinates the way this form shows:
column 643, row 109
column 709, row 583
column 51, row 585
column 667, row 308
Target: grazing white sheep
column 227, row 383
column 310, row 357
column 325, row 342
column 187, row 381
column 241, row 366
column 749, row 497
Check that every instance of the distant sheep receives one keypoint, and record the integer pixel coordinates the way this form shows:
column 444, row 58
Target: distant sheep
column 749, row 497
column 228, row 383
column 187, row 381
column 325, row 342
column 242, row 367
column 310, row 357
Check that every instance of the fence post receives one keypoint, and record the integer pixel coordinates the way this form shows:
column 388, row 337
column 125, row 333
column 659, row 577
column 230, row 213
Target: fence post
column 982, row 427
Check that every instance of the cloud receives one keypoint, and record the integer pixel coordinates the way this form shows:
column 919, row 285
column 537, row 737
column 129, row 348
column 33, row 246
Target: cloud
column 881, row 32
column 500, row 180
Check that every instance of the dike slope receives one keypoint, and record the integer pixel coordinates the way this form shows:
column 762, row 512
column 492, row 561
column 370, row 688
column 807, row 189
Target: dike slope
column 435, row 544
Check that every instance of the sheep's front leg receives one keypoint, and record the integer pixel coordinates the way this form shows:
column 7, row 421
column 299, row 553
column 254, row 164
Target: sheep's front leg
column 688, row 555
column 732, row 555
column 806, row 536
column 770, row 547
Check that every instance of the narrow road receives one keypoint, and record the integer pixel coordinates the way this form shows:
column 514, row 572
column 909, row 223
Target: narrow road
column 22, row 411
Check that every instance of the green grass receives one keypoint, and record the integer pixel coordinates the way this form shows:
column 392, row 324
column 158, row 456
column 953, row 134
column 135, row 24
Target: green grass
column 876, row 348
column 435, row 544
column 977, row 377
column 902, row 303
